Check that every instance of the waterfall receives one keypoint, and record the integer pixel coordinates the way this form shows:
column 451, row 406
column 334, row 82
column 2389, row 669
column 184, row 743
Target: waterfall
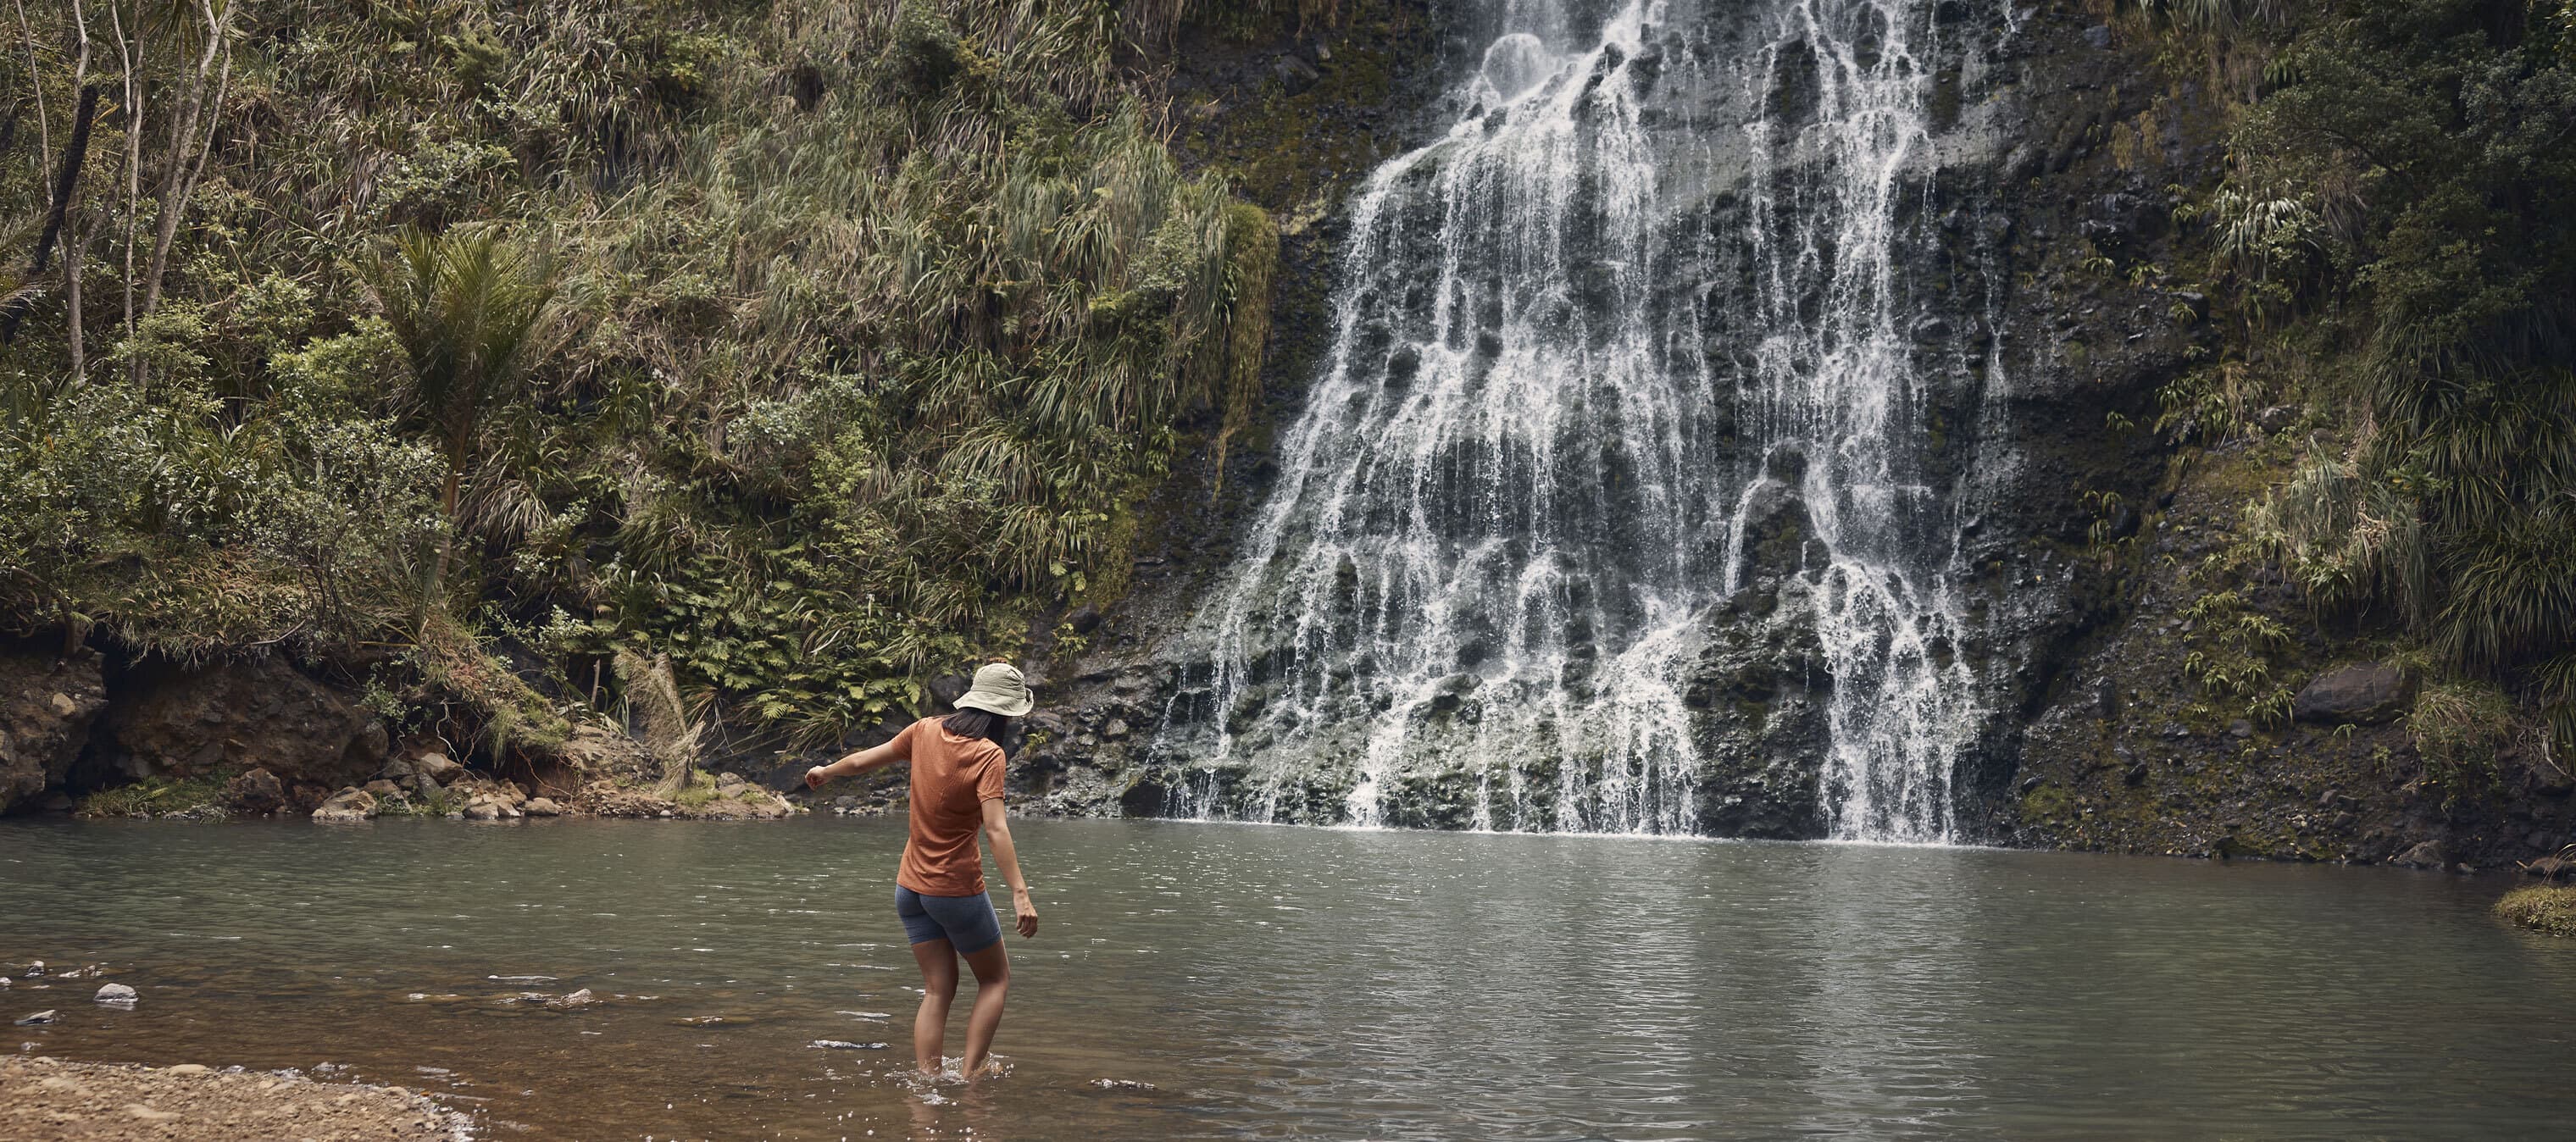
column 1646, row 290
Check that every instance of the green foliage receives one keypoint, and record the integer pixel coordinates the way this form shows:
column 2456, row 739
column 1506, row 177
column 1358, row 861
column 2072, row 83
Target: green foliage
column 699, row 793
column 813, row 347
column 2459, row 728
column 158, row 796
column 468, row 311
column 2403, row 195
column 2232, row 651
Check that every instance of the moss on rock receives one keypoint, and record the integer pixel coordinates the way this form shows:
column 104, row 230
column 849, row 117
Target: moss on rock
column 2545, row 908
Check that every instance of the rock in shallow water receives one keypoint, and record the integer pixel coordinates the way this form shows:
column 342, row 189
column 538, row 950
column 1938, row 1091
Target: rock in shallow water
column 350, row 804
column 115, row 995
column 37, row 1019
column 255, row 792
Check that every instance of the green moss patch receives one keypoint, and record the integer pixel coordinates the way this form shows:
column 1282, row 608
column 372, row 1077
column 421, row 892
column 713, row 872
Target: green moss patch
column 158, row 797
column 2546, row 908
column 700, row 792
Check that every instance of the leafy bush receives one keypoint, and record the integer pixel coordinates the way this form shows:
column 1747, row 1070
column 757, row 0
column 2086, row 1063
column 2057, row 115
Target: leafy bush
column 875, row 323
column 2402, row 200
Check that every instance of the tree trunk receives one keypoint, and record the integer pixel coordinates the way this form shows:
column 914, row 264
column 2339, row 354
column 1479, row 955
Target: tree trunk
column 55, row 218
column 180, row 179
column 130, row 55
column 71, row 215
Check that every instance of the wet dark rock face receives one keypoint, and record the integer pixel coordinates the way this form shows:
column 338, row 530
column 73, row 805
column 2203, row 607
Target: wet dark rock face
column 1758, row 712
column 194, row 721
column 2128, row 753
column 47, row 701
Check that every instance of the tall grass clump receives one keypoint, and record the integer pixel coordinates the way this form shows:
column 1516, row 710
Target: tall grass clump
column 2400, row 209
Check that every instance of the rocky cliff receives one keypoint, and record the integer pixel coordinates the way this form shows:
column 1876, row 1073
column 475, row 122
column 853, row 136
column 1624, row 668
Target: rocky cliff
column 2061, row 165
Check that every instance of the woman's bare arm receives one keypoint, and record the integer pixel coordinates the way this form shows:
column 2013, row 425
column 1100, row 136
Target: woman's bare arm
column 997, row 826
column 860, row 762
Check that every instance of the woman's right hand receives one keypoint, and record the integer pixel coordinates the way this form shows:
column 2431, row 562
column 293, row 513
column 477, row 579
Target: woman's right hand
column 815, row 777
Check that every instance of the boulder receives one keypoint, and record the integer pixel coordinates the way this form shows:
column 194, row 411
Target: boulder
column 255, row 792
column 382, row 790
column 2356, row 695
column 1084, row 620
column 1756, row 701
column 350, row 804
column 1776, row 522
column 186, row 721
column 47, row 701
column 1294, row 74
column 2429, row 854
column 437, row 768
column 542, row 807
column 114, row 995
column 946, row 689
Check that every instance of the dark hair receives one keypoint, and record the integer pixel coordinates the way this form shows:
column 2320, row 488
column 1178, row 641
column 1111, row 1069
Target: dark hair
column 973, row 723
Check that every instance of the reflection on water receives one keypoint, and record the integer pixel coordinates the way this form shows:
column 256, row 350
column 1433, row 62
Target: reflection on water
column 1217, row 980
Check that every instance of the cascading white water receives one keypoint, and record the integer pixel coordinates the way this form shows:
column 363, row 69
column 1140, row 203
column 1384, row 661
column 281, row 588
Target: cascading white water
column 1837, row 380
column 1576, row 337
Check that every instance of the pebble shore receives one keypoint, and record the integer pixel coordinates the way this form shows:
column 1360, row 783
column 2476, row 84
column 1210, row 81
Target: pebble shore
column 44, row 1099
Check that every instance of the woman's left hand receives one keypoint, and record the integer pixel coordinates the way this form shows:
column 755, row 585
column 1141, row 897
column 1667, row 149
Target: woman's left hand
column 1027, row 913
column 815, row 777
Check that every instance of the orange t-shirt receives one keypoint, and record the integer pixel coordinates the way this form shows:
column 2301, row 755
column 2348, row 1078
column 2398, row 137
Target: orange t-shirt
column 952, row 777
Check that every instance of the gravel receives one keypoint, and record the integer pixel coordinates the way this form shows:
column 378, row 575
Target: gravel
column 49, row 1100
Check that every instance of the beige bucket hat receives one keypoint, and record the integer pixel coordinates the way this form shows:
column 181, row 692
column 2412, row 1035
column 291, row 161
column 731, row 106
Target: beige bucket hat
column 1000, row 689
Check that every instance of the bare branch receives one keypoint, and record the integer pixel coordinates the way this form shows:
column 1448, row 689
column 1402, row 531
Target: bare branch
column 179, row 179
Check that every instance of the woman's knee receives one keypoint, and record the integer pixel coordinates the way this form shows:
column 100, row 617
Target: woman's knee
column 943, row 987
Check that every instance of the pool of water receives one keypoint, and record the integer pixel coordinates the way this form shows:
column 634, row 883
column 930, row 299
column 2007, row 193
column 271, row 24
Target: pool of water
column 1246, row 981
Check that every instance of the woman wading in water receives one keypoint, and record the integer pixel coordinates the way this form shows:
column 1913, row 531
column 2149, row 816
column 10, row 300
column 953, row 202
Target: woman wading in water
column 957, row 766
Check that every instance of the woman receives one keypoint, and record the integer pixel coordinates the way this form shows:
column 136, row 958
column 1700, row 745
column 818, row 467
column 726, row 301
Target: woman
column 957, row 766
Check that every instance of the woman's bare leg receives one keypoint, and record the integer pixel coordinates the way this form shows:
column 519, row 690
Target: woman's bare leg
column 992, row 986
column 938, row 960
